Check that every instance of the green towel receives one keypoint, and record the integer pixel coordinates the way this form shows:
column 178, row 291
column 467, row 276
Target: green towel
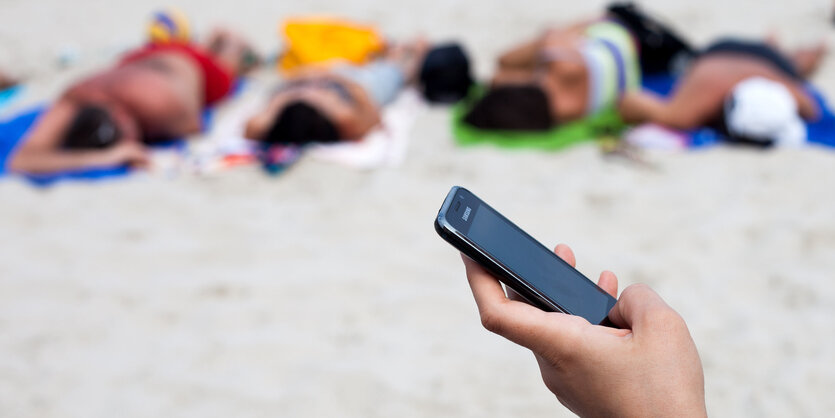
column 602, row 125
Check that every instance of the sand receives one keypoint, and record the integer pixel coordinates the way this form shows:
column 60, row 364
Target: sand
column 325, row 291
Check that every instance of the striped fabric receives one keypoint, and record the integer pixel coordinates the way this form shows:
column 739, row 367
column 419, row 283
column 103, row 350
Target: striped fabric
column 611, row 58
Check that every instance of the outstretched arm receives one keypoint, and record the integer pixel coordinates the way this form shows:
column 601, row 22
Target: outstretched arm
column 41, row 152
column 522, row 57
column 527, row 56
column 367, row 113
column 683, row 111
column 701, row 95
column 690, row 109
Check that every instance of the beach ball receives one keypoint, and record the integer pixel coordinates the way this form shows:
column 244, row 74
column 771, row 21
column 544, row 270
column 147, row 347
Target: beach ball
column 169, row 25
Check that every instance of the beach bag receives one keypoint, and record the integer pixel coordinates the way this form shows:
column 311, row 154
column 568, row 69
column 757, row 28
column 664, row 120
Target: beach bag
column 662, row 51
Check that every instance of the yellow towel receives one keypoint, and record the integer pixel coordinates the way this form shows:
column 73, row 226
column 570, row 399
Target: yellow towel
column 318, row 40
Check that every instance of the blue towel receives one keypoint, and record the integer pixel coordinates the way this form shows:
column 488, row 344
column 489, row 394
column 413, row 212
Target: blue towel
column 13, row 132
column 821, row 131
column 9, row 94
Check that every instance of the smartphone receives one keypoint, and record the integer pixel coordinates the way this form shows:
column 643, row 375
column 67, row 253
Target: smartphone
column 518, row 260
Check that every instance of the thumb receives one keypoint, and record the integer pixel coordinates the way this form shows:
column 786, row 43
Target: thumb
column 643, row 311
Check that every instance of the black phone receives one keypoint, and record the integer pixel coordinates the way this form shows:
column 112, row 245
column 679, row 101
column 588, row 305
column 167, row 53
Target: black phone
column 518, row 260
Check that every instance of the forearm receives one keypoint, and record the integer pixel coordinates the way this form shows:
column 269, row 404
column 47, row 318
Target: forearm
column 369, row 112
column 372, row 120
column 357, row 127
column 523, row 56
column 56, row 161
column 255, row 129
column 639, row 107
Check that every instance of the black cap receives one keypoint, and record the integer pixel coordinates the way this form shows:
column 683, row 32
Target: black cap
column 445, row 74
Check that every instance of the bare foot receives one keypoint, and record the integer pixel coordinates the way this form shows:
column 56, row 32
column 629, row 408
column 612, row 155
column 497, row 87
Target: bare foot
column 807, row 60
column 772, row 39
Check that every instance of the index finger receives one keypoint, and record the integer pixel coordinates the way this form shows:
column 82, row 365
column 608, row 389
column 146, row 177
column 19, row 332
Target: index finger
column 517, row 321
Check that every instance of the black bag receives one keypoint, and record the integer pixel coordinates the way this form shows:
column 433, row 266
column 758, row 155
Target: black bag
column 661, row 49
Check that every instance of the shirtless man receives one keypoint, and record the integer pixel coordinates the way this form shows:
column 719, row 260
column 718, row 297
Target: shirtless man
column 155, row 93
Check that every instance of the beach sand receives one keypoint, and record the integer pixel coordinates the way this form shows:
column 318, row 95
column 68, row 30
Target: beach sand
column 326, row 292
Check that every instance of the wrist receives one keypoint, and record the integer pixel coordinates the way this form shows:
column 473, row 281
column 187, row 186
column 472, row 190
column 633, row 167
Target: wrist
column 690, row 407
column 106, row 157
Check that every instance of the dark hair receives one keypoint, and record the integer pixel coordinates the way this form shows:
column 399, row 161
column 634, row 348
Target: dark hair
column 512, row 108
column 300, row 123
column 445, row 74
column 91, row 128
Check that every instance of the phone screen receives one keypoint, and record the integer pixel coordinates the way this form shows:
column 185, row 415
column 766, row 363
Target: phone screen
column 538, row 266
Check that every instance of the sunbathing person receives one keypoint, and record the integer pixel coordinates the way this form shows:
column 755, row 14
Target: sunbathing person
column 701, row 97
column 344, row 102
column 153, row 94
column 568, row 74
column 563, row 75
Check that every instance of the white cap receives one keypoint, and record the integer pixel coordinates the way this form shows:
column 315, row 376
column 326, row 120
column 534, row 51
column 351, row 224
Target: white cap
column 764, row 109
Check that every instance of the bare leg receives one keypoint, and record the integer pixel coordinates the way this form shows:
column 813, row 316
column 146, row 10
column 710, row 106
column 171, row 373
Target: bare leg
column 408, row 56
column 807, row 60
column 232, row 50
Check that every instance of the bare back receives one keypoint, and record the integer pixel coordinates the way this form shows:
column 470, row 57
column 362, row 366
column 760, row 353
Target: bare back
column 162, row 92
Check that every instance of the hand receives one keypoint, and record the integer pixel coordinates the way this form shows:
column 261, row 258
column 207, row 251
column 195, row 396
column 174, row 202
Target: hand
column 128, row 152
column 647, row 367
column 637, row 107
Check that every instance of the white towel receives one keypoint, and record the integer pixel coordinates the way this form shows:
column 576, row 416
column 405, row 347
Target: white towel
column 386, row 145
